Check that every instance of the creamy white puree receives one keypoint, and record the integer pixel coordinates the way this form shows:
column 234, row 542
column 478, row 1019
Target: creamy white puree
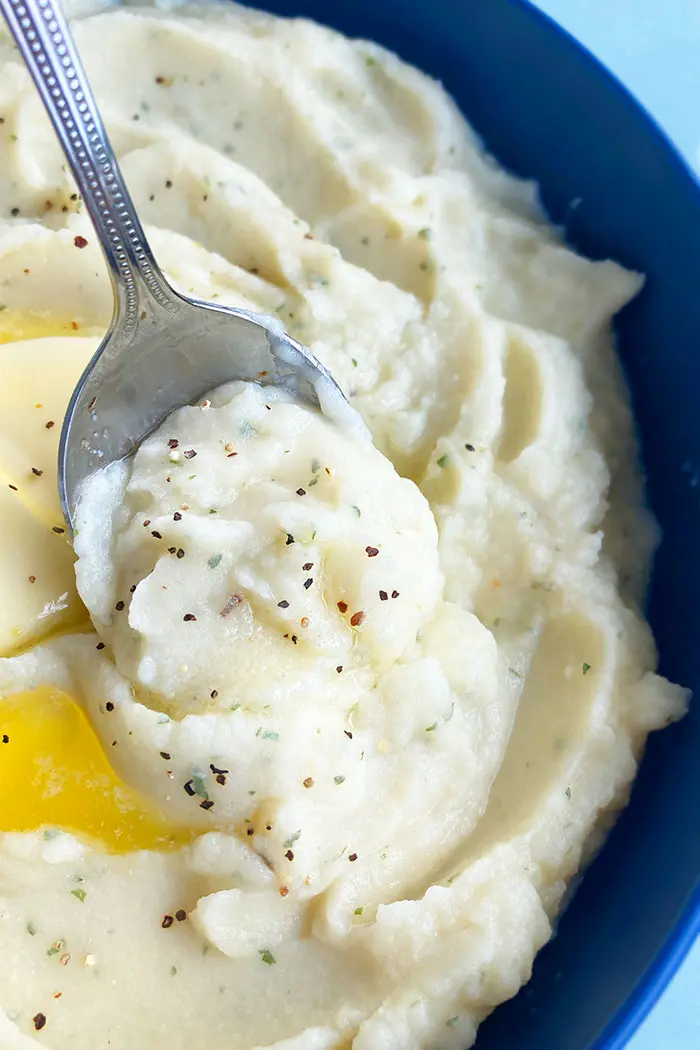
column 398, row 799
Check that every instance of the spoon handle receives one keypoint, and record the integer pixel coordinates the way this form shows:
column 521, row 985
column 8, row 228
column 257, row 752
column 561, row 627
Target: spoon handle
column 45, row 42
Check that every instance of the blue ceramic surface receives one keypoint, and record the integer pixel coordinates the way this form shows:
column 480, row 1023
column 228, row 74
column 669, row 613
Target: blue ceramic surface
column 547, row 110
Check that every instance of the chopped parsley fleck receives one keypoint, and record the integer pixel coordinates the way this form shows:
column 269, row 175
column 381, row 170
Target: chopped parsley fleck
column 452, row 1022
column 267, row 956
column 358, row 911
column 266, row 734
column 80, row 894
column 430, row 729
column 338, row 780
column 214, row 560
column 292, row 839
column 585, row 668
column 443, row 461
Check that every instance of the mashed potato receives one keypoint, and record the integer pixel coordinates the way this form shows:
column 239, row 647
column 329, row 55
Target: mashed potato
column 355, row 711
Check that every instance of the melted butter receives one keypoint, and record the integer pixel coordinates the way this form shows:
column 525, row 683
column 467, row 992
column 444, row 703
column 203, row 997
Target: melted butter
column 54, row 772
column 16, row 326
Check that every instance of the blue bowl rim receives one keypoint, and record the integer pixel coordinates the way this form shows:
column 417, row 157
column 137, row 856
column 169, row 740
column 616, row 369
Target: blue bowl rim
column 681, row 937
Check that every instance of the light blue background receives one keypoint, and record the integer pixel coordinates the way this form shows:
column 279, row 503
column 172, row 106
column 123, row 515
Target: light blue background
column 653, row 46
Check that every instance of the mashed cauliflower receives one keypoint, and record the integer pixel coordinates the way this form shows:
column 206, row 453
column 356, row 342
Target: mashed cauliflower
column 387, row 693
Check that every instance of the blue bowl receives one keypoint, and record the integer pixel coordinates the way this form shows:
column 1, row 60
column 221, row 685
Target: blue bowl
column 549, row 111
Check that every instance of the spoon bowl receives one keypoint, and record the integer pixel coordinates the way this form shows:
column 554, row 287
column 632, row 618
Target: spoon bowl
column 163, row 349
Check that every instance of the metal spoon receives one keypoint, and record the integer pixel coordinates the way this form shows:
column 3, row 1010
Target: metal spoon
column 163, row 349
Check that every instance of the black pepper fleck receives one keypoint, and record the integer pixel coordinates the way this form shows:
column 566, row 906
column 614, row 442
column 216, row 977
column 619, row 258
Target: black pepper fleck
column 167, row 922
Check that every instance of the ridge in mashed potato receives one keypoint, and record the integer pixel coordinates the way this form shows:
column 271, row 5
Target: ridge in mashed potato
column 371, row 704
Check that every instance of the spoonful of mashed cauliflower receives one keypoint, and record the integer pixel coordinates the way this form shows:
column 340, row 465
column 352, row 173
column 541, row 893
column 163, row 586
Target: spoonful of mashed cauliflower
column 163, row 349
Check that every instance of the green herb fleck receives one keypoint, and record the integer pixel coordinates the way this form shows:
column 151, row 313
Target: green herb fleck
column 568, row 792
column 452, row 1022
column 266, row 734
column 354, row 362
column 357, row 510
column 213, row 510
column 267, row 957
column 358, row 911
column 54, row 949
column 199, row 788
column 214, row 560
column 585, row 668
column 315, row 466
column 247, row 430
column 31, row 929
column 339, row 780
column 80, row 894
column 425, row 234
column 292, row 839
column 430, row 729
column 443, row 461
column 173, row 971
column 370, row 61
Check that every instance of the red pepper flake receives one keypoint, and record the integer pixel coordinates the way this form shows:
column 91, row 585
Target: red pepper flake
column 173, row 442
column 181, row 915
column 357, row 618
column 189, row 453
column 74, row 325
column 189, row 617
column 146, row 522
column 309, row 782
column 304, row 621
column 207, row 804
column 352, row 858
column 394, row 594
column 100, row 646
column 307, row 583
column 308, row 236
column 165, row 755
column 156, row 535
column 339, row 668
column 58, row 530
column 92, row 404
column 180, row 553
column 167, row 922
column 383, row 596
column 119, row 606
column 177, row 516
column 307, row 566
column 37, row 473
column 32, row 579
column 343, row 606
column 39, row 1021
column 109, row 706
column 283, row 891
column 80, row 242
column 289, row 855
column 231, row 455
column 301, row 492
column 371, row 552
column 284, row 604
column 290, row 539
